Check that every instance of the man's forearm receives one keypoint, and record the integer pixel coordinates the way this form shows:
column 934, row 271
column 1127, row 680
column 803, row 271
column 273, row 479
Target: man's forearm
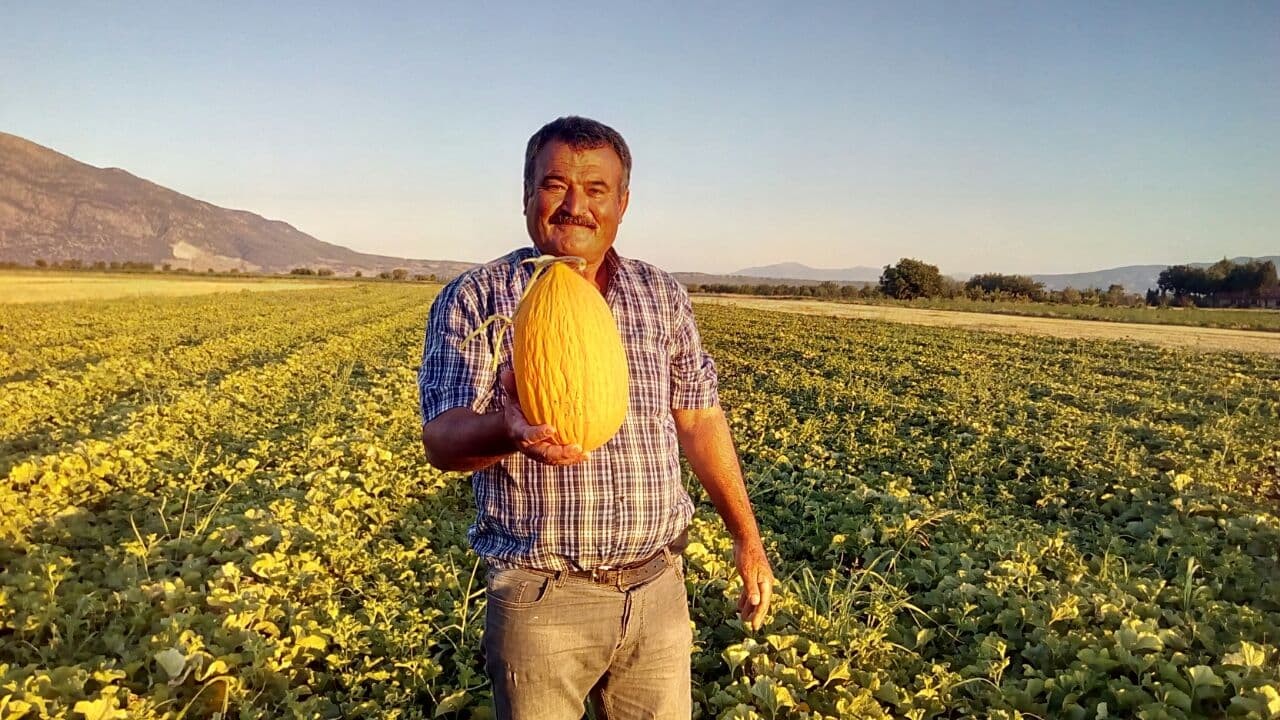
column 463, row 440
column 705, row 439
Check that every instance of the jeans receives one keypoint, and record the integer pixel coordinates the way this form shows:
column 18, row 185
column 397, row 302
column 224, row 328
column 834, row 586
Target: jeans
column 550, row 643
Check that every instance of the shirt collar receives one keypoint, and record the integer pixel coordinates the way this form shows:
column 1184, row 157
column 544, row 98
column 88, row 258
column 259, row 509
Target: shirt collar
column 613, row 264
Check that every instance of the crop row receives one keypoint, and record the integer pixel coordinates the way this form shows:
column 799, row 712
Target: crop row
column 966, row 525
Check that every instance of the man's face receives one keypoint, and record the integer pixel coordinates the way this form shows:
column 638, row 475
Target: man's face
column 577, row 201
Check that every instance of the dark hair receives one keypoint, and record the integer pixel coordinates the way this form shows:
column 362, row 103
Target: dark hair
column 578, row 133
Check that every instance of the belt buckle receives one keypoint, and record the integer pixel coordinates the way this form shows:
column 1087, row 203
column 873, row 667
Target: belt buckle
column 600, row 574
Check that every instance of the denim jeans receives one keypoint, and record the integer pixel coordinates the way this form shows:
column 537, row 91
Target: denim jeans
column 552, row 643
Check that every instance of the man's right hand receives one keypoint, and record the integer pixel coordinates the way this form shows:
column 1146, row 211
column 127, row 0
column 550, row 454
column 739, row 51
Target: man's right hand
column 535, row 441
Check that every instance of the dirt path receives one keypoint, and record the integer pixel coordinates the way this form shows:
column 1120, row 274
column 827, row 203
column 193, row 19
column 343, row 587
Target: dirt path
column 1177, row 336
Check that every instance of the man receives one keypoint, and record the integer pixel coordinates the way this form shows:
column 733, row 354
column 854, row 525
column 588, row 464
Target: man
column 585, row 589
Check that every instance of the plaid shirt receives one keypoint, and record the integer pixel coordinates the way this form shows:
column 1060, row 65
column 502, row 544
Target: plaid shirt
column 626, row 501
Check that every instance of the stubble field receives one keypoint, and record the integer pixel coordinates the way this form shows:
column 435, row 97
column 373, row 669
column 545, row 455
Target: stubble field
column 34, row 286
column 218, row 506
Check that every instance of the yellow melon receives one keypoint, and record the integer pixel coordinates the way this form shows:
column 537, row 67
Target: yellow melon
column 570, row 365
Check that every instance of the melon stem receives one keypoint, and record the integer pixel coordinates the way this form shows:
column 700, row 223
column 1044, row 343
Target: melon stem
column 540, row 264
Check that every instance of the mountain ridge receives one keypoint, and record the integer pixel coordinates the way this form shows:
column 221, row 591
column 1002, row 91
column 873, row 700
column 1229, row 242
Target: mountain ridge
column 54, row 207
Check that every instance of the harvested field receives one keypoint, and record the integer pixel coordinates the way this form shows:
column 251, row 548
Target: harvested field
column 1173, row 336
column 28, row 287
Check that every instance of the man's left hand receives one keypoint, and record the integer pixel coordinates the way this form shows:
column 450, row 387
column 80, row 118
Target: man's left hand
column 757, row 581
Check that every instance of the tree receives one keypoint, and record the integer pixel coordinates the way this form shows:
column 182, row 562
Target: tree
column 911, row 278
column 399, row 274
column 1018, row 286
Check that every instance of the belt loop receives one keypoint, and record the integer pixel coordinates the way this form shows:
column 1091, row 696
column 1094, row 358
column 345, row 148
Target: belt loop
column 558, row 579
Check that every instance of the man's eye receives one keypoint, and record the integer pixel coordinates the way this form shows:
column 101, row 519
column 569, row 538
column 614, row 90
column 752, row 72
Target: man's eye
column 553, row 187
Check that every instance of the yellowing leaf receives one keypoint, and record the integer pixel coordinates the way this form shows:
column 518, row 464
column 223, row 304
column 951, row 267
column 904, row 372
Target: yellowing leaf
column 104, row 708
column 455, row 701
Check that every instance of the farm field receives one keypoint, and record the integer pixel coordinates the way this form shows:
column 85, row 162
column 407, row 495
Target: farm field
column 219, row 506
column 1186, row 336
column 50, row 286
column 1227, row 318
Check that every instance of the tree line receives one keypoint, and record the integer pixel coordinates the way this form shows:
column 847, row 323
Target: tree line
column 911, row 278
column 1221, row 280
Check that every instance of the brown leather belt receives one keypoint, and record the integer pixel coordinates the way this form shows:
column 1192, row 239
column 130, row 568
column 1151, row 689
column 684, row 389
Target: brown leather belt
column 636, row 573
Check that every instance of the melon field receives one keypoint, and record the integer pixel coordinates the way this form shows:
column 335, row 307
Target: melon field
column 218, row 507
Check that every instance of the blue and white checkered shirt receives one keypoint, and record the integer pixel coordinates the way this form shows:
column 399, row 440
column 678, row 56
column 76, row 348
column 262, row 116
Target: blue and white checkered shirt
column 626, row 501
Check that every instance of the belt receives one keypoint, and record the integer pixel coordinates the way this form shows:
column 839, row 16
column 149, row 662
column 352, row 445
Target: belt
column 636, row 573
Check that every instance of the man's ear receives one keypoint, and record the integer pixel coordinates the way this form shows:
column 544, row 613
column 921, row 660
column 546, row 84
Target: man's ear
column 622, row 203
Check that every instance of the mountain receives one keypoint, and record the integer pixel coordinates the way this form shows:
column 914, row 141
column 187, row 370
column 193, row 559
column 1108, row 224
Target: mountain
column 797, row 271
column 53, row 207
column 1134, row 278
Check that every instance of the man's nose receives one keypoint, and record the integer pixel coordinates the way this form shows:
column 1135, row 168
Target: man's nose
column 575, row 202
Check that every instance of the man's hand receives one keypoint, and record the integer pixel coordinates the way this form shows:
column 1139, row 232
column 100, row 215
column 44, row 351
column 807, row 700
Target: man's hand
column 534, row 441
column 757, row 582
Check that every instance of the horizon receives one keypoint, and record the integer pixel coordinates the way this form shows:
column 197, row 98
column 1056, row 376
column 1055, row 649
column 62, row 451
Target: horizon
column 983, row 138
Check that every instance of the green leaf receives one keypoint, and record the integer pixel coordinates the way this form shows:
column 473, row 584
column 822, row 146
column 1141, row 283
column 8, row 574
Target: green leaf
column 772, row 695
column 1178, row 699
column 172, row 661
column 735, row 655
column 1202, row 676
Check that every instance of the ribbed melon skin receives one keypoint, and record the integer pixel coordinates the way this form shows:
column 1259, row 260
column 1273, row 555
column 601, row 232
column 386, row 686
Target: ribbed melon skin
column 570, row 365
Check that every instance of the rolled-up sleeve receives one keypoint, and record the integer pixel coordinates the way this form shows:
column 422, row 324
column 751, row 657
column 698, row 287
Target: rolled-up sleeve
column 452, row 374
column 693, row 373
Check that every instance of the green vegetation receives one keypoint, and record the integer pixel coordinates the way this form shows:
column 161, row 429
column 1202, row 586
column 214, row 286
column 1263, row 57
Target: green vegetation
column 218, row 506
column 1221, row 283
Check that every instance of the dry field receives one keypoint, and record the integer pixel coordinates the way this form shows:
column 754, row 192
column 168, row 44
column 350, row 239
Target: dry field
column 28, row 287
column 1173, row 336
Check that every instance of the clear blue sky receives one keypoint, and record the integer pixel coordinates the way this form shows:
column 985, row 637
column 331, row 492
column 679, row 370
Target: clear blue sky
column 1013, row 136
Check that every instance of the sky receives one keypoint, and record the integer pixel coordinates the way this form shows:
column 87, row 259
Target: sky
column 978, row 136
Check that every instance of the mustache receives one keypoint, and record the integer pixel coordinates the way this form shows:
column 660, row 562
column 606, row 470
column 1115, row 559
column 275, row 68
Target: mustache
column 563, row 218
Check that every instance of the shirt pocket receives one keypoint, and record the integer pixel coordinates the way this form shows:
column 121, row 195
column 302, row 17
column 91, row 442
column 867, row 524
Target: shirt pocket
column 649, row 379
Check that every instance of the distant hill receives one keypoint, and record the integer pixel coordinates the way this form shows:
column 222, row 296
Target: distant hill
column 798, row 271
column 697, row 278
column 53, row 207
column 1134, row 278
